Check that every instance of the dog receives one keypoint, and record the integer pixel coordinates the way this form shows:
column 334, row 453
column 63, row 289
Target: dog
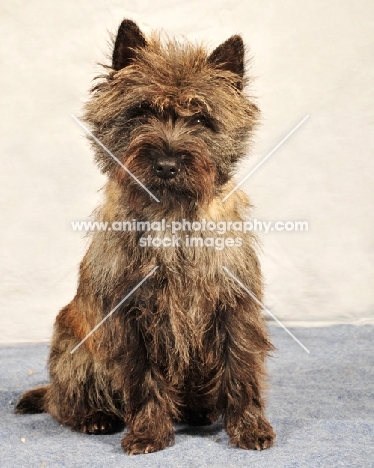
column 188, row 343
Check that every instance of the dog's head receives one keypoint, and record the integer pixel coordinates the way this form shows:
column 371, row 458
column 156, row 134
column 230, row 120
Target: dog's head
column 174, row 115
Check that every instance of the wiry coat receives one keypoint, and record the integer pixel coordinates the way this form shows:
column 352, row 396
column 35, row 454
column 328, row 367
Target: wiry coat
column 190, row 343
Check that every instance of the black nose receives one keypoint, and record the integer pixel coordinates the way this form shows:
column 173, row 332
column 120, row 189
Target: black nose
column 166, row 167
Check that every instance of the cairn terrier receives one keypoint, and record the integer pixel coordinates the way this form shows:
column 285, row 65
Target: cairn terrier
column 188, row 344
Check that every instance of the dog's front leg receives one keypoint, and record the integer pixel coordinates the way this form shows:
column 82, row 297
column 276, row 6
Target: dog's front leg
column 245, row 351
column 150, row 402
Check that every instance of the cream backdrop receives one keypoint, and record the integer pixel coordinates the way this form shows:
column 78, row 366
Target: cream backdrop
column 310, row 58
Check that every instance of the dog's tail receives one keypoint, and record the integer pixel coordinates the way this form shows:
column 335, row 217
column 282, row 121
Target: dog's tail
column 33, row 401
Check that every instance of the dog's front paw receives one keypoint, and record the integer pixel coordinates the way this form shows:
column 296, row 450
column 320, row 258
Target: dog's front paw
column 134, row 444
column 100, row 423
column 246, row 436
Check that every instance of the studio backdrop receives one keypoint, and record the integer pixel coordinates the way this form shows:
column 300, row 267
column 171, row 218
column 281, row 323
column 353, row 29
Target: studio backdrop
column 311, row 63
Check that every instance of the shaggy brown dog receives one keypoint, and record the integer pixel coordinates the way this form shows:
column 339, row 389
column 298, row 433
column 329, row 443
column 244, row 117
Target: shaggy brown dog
column 189, row 344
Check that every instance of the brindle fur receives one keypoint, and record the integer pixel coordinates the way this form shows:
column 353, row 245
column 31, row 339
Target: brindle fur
column 190, row 343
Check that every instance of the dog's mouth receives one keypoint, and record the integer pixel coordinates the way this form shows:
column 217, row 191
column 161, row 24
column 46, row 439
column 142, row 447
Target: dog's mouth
column 182, row 176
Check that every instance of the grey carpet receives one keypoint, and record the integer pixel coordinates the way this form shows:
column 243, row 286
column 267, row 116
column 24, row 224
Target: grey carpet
column 321, row 405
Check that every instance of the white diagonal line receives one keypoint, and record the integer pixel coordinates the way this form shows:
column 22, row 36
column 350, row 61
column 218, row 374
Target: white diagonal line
column 114, row 157
column 115, row 308
column 265, row 158
column 267, row 310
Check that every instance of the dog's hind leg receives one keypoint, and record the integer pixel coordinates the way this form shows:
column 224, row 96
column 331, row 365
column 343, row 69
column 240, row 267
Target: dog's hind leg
column 81, row 393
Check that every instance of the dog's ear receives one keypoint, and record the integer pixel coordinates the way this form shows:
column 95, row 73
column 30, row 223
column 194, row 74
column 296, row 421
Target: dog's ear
column 129, row 38
column 230, row 56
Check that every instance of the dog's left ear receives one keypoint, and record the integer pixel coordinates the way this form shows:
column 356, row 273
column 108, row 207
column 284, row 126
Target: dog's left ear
column 129, row 38
column 230, row 56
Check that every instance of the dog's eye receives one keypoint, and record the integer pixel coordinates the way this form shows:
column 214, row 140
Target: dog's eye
column 202, row 121
column 199, row 120
column 141, row 110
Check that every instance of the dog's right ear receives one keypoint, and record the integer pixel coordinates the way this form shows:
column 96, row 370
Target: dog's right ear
column 129, row 38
